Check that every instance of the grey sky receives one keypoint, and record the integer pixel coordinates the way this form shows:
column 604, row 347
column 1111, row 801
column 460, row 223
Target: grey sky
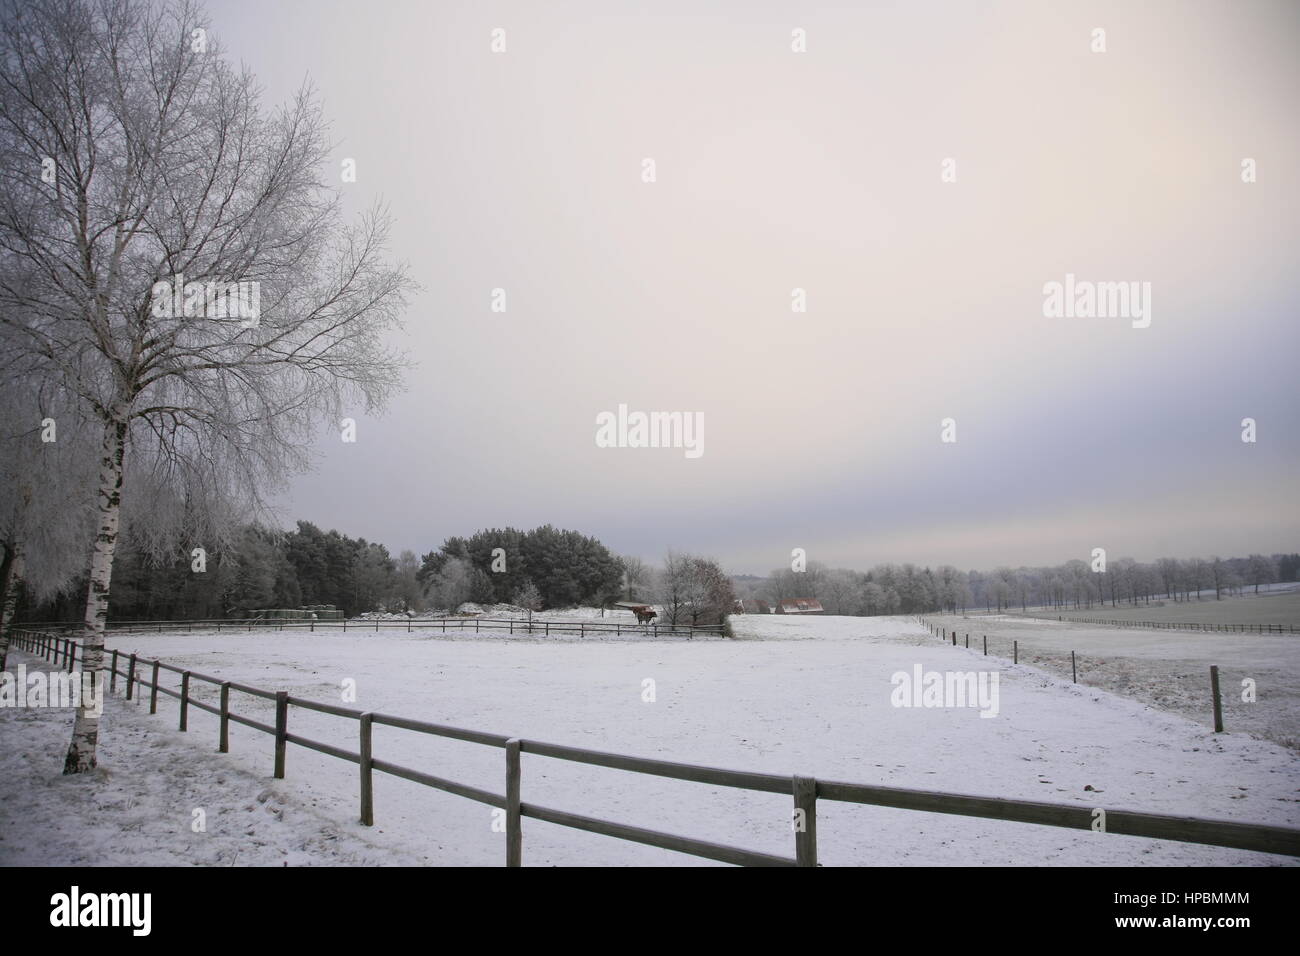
column 820, row 170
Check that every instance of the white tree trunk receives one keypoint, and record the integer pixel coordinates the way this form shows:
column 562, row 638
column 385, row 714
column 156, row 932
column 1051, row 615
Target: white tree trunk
column 11, row 584
column 85, row 731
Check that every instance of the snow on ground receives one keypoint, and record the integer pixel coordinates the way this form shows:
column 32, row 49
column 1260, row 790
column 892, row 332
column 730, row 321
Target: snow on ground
column 791, row 695
column 1169, row 669
column 137, row 808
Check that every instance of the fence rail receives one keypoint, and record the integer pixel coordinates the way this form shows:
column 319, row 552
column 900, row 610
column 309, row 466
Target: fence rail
column 1159, row 625
column 804, row 791
column 544, row 627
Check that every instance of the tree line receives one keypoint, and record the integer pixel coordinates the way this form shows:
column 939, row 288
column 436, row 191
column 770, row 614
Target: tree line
column 257, row 569
column 909, row 589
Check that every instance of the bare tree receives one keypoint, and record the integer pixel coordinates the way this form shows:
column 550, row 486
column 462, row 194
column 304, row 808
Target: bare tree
column 172, row 255
column 679, row 587
column 638, row 578
column 406, row 583
column 528, row 597
column 873, row 598
column 1262, row 570
column 452, row 585
column 840, row 592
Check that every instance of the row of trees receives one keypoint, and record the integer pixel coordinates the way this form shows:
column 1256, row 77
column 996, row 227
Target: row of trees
column 256, row 568
column 908, row 589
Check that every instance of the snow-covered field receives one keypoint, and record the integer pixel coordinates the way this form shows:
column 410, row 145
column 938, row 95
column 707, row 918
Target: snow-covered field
column 1169, row 669
column 790, row 695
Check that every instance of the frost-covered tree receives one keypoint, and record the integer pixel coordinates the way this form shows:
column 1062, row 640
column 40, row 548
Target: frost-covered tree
column 1261, row 570
column 528, row 597
column 173, row 254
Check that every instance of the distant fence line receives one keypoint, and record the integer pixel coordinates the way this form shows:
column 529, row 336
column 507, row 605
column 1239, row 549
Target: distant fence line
column 1168, row 625
column 805, row 791
column 1216, row 700
column 444, row 624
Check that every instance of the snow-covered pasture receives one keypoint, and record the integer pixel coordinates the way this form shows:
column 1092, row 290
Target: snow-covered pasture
column 790, row 695
column 1169, row 669
column 1275, row 604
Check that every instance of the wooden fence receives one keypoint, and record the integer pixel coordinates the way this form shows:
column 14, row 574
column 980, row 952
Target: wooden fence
column 805, row 791
column 544, row 627
column 1163, row 625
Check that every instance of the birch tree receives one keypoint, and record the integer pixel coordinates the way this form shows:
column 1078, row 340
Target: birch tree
column 174, row 255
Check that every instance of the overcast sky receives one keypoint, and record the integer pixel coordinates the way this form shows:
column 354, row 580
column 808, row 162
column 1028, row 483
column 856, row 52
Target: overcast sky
column 820, row 170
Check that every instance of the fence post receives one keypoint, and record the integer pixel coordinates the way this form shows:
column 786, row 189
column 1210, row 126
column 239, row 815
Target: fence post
column 968, row 642
column 185, row 700
column 1218, row 704
column 153, row 691
column 367, row 783
column 223, row 742
column 72, row 655
column 1074, row 670
column 805, row 836
column 112, row 674
column 514, row 824
column 986, row 645
column 130, row 678
column 1015, row 651
column 954, row 638
column 281, row 729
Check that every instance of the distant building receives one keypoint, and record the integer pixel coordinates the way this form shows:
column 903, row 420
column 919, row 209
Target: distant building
column 754, row 606
column 800, row 606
